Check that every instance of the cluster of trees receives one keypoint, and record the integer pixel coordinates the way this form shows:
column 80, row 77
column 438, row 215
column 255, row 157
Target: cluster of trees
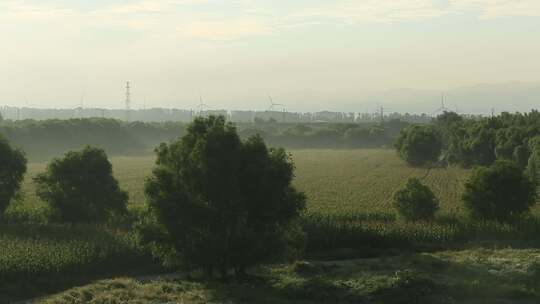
column 216, row 202
column 78, row 187
column 505, row 151
column 500, row 192
column 455, row 140
column 342, row 135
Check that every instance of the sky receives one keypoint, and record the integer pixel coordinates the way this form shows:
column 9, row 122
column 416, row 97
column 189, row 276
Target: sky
column 234, row 53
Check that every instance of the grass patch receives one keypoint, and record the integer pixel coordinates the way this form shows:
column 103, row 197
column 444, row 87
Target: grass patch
column 471, row 276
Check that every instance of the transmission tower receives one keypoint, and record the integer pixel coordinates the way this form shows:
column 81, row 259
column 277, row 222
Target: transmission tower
column 128, row 100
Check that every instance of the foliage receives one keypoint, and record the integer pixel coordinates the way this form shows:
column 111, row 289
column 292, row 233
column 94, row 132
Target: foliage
column 35, row 258
column 42, row 140
column 419, row 144
column 12, row 169
column 80, row 187
column 223, row 203
column 499, row 192
column 533, row 163
column 446, row 123
column 416, row 201
column 45, row 139
column 482, row 141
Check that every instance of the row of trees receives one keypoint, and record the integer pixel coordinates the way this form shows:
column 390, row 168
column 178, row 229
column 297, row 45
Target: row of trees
column 343, row 135
column 470, row 142
column 215, row 201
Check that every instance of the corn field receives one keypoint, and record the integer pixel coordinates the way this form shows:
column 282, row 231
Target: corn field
column 349, row 206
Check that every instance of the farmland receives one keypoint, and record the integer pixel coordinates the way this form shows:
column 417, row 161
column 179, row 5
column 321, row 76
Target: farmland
column 349, row 215
column 337, row 182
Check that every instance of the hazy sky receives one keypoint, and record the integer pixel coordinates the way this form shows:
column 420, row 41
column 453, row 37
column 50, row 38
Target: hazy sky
column 235, row 52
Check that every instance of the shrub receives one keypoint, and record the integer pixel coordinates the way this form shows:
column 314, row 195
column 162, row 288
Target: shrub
column 500, row 192
column 418, row 144
column 220, row 203
column 416, row 201
column 81, row 188
column 12, row 169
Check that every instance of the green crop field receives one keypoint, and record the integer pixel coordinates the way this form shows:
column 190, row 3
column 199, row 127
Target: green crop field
column 349, row 207
column 337, row 182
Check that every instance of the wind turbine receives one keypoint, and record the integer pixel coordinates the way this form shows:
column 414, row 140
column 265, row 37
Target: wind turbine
column 273, row 104
column 443, row 108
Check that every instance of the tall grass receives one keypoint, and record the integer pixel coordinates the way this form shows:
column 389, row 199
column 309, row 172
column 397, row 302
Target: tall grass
column 39, row 257
column 330, row 232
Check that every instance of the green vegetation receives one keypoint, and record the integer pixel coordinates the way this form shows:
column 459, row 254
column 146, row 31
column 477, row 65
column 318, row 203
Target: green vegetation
column 419, row 144
column 482, row 141
column 12, row 169
column 336, row 182
column 35, row 259
column 500, row 192
column 80, row 187
column 221, row 203
column 349, row 214
column 416, row 201
column 42, row 140
column 470, row 276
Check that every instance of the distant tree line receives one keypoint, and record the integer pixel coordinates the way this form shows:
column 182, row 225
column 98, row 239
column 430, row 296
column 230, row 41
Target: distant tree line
column 455, row 140
column 49, row 138
column 504, row 151
column 188, row 115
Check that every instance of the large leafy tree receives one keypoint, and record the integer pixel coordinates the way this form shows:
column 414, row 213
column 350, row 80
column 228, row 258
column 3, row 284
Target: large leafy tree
column 12, row 169
column 500, row 192
column 80, row 187
column 419, row 144
column 473, row 144
column 220, row 203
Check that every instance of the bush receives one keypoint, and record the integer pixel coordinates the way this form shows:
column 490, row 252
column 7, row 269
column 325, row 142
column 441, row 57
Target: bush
column 500, row 192
column 419, row 144
column 81, row 188
column 219, row 203
column 416, row 201
column 12, row 169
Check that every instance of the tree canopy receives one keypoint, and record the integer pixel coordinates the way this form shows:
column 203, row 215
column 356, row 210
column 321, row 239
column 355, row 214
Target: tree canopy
column 220, row 202
column 80, row 187
column 419, row 144
column 499, row 192
column 12, row 170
